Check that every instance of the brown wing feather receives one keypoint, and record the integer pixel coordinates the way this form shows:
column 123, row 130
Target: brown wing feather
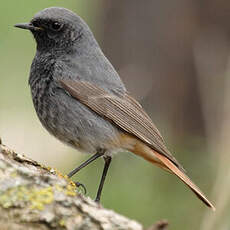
column 124, row 111
column 128, row 114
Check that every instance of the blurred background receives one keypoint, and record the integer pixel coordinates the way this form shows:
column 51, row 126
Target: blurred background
column 174, row 58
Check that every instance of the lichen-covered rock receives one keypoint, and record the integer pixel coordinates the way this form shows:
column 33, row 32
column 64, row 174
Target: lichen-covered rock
column 34, row 197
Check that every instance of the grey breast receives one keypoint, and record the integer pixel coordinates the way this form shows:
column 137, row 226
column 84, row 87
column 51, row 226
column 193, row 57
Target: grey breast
column 63, row 116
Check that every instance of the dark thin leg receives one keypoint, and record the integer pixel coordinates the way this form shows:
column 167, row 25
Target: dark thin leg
column 105, row 170
column 91, row 159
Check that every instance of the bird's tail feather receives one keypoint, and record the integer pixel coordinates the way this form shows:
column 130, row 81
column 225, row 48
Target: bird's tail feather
column 163, row 162
column 185, row 179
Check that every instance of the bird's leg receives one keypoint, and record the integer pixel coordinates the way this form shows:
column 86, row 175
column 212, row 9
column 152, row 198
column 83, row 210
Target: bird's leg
column 107, row 160
column 90, row 160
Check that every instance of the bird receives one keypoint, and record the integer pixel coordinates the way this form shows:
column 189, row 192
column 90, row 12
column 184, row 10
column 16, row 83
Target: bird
column 81, row 100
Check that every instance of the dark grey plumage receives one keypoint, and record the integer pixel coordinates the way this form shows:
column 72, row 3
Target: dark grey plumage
column 80, row 99
column 67, row 50
column 71, row 54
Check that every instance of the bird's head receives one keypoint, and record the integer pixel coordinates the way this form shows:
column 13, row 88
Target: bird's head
column 58, row 29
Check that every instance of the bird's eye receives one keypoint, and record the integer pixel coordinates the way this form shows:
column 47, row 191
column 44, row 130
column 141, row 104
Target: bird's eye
column 56, row 26
column 35, row 24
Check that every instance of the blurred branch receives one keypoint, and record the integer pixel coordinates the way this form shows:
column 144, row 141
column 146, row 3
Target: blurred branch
column 213, row 64
column 35, row 197
column 221, row 148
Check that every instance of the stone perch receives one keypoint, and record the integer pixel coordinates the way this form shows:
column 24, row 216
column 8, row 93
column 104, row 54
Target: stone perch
column 35, row 197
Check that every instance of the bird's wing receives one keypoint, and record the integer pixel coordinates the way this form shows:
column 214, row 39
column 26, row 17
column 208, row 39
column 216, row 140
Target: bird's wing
column 123, row 110
column 127, row 114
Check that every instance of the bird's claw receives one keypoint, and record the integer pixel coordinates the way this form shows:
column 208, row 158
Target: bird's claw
column 80, row 185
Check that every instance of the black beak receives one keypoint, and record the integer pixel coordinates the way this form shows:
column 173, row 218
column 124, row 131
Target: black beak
column 28, row 26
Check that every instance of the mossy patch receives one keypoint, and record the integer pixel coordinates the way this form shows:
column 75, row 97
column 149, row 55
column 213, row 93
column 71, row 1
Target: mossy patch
column 40, row 197
column 62, row 222
column 70, row 190
column 36, row 197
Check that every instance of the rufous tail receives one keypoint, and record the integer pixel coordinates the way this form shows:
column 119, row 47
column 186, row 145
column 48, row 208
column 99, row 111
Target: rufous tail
column 185, row 179
column 156, row 158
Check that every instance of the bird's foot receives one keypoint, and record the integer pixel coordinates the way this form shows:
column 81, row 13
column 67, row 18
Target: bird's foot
column 80, row 186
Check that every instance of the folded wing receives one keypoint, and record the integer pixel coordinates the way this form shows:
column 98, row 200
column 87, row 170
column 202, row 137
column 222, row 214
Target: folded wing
column 128, row 115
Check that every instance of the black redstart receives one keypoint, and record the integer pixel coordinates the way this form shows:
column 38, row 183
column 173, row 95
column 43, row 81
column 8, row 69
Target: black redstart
column 80, row 99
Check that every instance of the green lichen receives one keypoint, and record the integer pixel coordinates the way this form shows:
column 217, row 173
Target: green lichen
column 5, row 201
column 41, row 197
column 37, row 198
column 62, row 222
column 11, row 196
column 14, row 174
column 69, row 190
